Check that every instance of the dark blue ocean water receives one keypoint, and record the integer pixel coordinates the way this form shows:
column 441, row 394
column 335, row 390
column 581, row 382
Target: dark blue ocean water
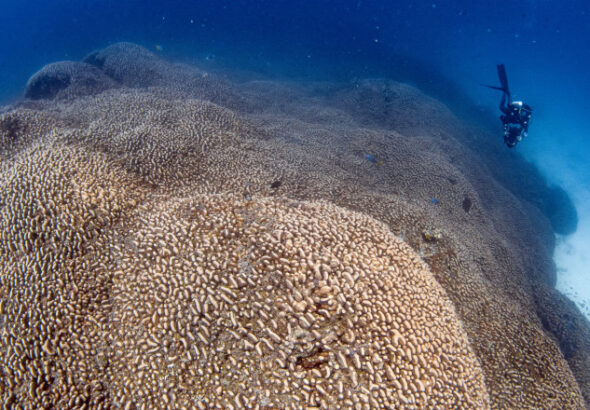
column 447, row 48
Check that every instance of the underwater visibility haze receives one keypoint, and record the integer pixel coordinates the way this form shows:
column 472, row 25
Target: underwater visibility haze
column 225, row 204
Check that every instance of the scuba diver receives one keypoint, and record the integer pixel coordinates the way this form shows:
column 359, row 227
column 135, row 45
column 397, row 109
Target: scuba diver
column 517, row 115
column 516, row 120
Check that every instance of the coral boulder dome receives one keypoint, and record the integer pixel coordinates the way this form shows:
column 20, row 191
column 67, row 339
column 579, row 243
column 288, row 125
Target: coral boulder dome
column 213, row 301
column 57, row 209
column 67, row 79
column 282, row 304
column 128, row 64
column 171, row 238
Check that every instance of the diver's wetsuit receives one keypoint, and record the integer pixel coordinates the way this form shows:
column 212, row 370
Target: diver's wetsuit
column 516, row 120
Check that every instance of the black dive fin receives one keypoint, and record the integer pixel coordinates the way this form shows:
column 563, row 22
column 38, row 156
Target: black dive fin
column 493, row 87
column 503, row 79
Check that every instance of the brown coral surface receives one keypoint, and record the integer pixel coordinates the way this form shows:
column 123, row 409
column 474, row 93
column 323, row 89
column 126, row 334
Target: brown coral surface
column 200, row 243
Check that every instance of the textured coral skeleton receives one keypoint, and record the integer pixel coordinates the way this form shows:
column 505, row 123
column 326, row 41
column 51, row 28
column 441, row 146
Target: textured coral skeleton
column 148, row 259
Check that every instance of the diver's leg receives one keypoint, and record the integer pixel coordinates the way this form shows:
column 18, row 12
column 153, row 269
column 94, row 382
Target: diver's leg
column 520, row 134
column 503, row 79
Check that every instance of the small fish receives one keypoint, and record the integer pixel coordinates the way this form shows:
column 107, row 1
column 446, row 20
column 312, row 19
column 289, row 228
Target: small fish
column 372, row 159
column 159, row 47
column 434, row 201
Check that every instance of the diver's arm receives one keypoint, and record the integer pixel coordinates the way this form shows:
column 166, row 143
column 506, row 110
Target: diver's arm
column 525, row 126
column 526, row 122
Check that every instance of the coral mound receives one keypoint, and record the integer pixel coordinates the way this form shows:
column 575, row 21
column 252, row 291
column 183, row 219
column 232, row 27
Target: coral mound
column 282, row 303
column 128, row 64
column 201, row 243
column 56, row 206
column 67, row 79
column 213, row 300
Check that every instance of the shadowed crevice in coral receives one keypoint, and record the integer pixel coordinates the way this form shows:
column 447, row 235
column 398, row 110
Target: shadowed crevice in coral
column 47, row 86
column 561, row 210
column 466, row 204
column 525, row 181
column 95, row 59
